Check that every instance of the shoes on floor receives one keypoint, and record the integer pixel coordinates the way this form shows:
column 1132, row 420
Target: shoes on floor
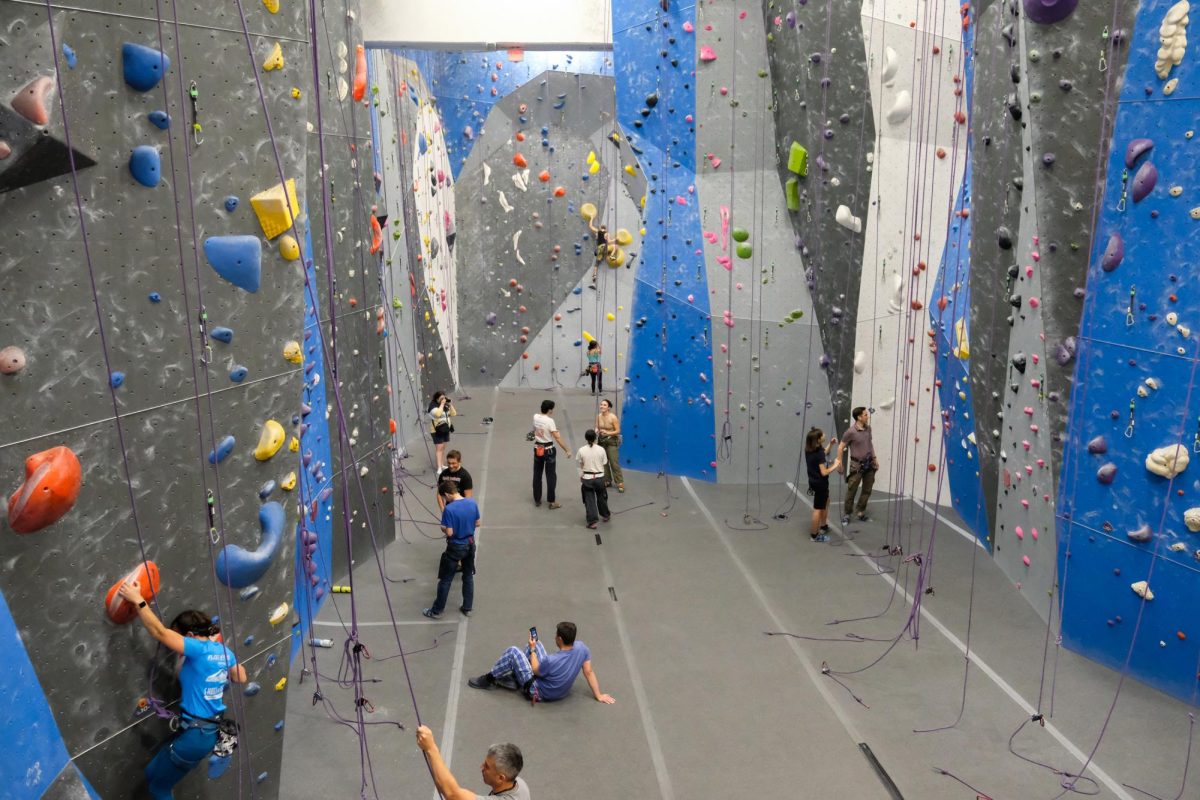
column 621, row 488
column 605, row 519
column 845, row 520
column 863, row 518
column 592, row 526
column 466, row 612
column 820, row 537
column 555, row 505
column 429, row 612
column 484, row 681
column 826, row 529
column 537, row 503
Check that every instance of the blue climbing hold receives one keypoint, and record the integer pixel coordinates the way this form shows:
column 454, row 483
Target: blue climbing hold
column 272, row 659
column 222, row 450
column 279, row 726
column 116, row 379
column 238, row 373
column 155, row 297
column 249, row 640
column 422, row 145
column 231, row 203
column 579, row 342
column 265, row 490
column 237, row 259
column 69, row 55
column 144, row 66
column 238, row 567
column 159, row 119
column 217, row 766
column 577, row 290
column 252, row 688
column 145, row 165
column 222, row 334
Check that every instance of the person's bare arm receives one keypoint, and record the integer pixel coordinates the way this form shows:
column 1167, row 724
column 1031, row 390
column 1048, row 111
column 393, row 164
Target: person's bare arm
column 172, row 640
column 238, row 674
column 442, row 777
column 590, row 676
column 534, row 664
column 558, row 438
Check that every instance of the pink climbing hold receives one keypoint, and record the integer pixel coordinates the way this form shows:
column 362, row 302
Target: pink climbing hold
column 725, row 262
column 30, row 102
column 713, row 160
column 680, row 200
column 1034, row 534
column 688, row 27
column 1025, row 560
column 12, row 360
column 707, row 53
column 5, row 150
column 1020, row 532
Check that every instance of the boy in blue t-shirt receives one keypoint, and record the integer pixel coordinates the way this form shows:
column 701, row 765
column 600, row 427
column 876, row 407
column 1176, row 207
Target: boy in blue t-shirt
column 460, row 520
column 545, row 676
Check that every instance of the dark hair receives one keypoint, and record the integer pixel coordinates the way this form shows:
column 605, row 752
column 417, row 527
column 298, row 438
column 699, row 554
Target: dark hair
column 593, row 345
column 857, row 412
column 447, row 488
column 590, row 435
column 606, row 400
column 194, row 622
column 547, row 406
column 438, row 395
column 813, row 440
column 566, row 631
column 457, row 456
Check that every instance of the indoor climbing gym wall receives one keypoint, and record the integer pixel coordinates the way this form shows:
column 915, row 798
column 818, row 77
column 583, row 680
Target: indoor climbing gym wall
column 177, row 382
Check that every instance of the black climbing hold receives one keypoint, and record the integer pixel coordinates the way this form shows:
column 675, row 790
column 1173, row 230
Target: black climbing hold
column 652, row 100
column 1018, row 361
column 1004, row 238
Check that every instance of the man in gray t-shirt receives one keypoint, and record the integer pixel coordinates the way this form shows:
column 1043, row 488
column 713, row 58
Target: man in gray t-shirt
column 861, row 464
column 499, row 771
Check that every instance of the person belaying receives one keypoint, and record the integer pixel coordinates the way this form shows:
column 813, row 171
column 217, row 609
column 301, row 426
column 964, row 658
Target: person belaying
column 440, row 410
column 592, row 460
column 500, row 771
column 861, row 465
column 545, row 436
column 816, row 455
column 608, row 429
column 594, row 369
column 208, row 667
column 460, row 520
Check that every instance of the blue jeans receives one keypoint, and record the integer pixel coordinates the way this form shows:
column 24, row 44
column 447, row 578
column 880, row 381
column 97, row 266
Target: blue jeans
column 177, row 757
column 448, row 566
column 514, row 664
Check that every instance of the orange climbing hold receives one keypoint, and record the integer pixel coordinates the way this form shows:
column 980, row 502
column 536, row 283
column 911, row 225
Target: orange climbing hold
column 50, row 489
column 520, row 137
column 121, row 611
column 376, row 235
column 360, row 73
column 30, row 102
column 560, row 191
column 519, row 161
column 544, row 176
column 392, row 425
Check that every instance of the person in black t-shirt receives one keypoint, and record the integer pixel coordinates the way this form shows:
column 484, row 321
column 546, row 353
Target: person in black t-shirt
column 454, row 473
column 816, row 453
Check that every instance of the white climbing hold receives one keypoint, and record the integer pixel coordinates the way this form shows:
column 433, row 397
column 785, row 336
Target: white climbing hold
column 1170, row 86
column 847, row 220
column 516, row 241
column 1191, row 518
column 1172, row 36
column 1172, row 318
column 504, row 203
column 1142, row 590
column 1184, row 330
column 860, row 362
column 1175, row 191
column 487, row 173
column 891, row 64
column 1153, row 383
column 1168, row 461
column 886, row 405
column 521, row 181
column 1178, row 547
column 343, row 88
column 896, row 284
column 901, row 108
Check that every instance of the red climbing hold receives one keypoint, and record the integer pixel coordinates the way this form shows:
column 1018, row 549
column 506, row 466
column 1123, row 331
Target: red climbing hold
column 50, row 489
column 520, row 137
column 376, row 235
column 917, row 305
column 360, row 73
column 30, row 102
column 392, row 425
column 121, row 611
column 519, row 161
column 544, row 176
column 559, row 191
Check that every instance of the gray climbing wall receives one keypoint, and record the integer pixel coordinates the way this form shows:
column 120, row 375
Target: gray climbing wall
column 176, row 400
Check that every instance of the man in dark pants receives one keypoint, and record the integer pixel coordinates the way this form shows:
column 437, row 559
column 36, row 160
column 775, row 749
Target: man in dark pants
column 592, row 459
column 460, row 520
column 861, row 465
column 545, row 435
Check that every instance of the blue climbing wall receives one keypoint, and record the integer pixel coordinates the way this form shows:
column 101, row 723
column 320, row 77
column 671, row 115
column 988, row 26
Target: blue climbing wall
column 668, row 415
column 1124, row 347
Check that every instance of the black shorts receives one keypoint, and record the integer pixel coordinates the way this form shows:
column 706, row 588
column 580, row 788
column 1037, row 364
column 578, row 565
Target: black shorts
column 820, row 497
column 441, row 434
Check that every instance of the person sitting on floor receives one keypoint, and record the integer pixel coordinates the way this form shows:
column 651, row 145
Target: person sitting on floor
column 543, row 676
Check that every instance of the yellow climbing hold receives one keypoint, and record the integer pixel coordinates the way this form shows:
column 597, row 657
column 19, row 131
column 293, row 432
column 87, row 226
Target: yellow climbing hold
column 642, row 204
column 279, row 614
column 629, row 169
column 288, row 248
column 294, row 445
column 610, row 316
column 275, row 60
column 292, row 353
column 279, row 684
column 587, row 211
column 624, row 237
column 276, row 208
column 591, row 159
column 616, row 257
column 289, row 482
column 587, row 337
column 594, row 168
column 270, row 440
column 963, row 350
column 295, row 93
column 272, row 6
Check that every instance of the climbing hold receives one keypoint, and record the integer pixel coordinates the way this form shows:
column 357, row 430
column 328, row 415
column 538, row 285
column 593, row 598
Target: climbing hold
column 744, row 250
column 1004, row 238
column 270, row 440
column 289, row 482
column 891, row 64
column 289, row 249
column 116, row 379
column 276, row 208
column 1191, row 518
column 792, row 194
column 222, row 334
column 12, row 360
column 1097, row 446
column 1048, row 12
column 1064, row 351
column 237, row 567
column 144, row 165
column 222, row 450
column 159, row 119
column 252, row 688
column 360, row 73
column 120, row 610
column 293, row 353
column 1168, row 461
column 544, row 176
column 238, row 373
column 272, row 6
column 1172, row 38
column 1142, row 590
column 519, row 161
column 1135, row 149
column 847, row 220
column 1114, row 252
column 797, row 159
column 30, row 102
column 1143, row 181
column 237, row 259
column 624, row 237
column 69, row 55
column 275, row 59
column 707, row 54
column 901, row 108
column 740, row 234
column 281, row 611
column 231, row 203
column 1107, row 473
column 265, row 491
column 143, row 66
column 1142, row 534
column 50, row 488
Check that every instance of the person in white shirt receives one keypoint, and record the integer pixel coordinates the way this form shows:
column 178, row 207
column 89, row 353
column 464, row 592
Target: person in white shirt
column 592, row 460
column 545, row 436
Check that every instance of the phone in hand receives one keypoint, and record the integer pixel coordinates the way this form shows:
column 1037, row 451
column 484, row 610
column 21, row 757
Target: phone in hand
column 533, row 634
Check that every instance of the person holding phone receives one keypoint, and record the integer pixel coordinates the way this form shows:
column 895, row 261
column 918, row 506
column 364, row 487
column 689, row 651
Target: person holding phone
column 543, row 676
column 440, row 410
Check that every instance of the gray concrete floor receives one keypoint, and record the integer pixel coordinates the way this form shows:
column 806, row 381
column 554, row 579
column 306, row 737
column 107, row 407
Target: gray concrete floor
column 674, row 600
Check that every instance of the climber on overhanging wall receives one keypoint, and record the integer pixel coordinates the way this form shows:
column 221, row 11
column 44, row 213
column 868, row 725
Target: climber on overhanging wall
column 208, row 666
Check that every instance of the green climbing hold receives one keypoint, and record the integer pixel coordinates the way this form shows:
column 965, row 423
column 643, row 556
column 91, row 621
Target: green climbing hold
column 740, row 234
column 744, row 250
column 798, row 159
column 791, row 191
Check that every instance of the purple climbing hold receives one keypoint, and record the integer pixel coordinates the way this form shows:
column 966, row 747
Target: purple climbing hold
column 491, row 318
column 1048, row 158
column 1065, row 351
column 1048, row 12
column 1098, row 446
column 1107, row 473
column 824, row 361
column 1142, row 534
column 1114, row 253
column 1144, row 181
column 791, row 19
column 145, row 166
column 237, row 259
column 143, row 66
column 1136, row 149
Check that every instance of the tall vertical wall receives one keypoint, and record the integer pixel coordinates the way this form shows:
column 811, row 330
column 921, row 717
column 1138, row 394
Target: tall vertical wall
column 143, row 438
